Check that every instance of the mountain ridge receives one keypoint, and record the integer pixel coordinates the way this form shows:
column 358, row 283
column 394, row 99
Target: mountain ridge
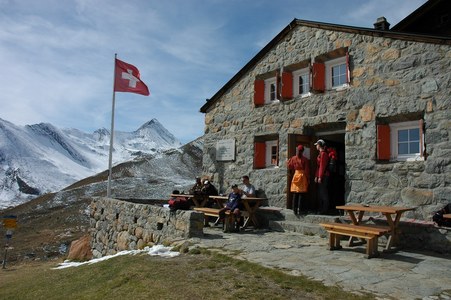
column 41, row 158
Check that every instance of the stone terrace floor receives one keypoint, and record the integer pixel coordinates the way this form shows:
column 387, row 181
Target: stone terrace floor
column 398, row 275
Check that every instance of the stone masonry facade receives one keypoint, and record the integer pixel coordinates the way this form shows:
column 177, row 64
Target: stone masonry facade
column 118, row 225
column 392, row 78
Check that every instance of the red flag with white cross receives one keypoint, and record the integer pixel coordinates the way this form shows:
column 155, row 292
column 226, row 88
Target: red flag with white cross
column 127, row 79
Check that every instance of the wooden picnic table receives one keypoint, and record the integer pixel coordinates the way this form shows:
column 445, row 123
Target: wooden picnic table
column 387, row 211
column 251, row 204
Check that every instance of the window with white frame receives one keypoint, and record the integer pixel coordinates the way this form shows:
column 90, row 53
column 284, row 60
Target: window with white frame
column 301, row 82
column 272, row 153
column 270, row 90
column 336, row 73
column 406, row 141
column 266, row 151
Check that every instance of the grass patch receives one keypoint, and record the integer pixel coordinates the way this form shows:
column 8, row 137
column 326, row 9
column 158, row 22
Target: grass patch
column 207, row 275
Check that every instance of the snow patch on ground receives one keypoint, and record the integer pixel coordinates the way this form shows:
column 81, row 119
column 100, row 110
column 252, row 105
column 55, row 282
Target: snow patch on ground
column 157, row 250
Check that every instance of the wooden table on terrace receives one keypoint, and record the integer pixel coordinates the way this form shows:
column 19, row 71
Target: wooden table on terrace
column 251, row 204
column 356, row 212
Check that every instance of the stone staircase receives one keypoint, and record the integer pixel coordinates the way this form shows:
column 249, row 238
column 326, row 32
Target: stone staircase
column 285, row 220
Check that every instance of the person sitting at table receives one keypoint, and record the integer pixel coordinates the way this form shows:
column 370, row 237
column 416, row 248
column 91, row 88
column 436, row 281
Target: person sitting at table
column 248, row 190
column 209, row 190
column 196, row 189
column 233, row 205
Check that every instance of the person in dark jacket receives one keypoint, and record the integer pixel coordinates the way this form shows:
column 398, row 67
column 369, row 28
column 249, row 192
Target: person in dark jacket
column 233, row 205
column 209, row 189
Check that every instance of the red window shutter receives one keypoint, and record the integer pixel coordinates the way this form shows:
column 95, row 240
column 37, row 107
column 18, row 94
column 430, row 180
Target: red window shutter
column 259, row 155
column 259, row 92
column 287, row 85
column 383, row 142
column 348, row 69
column 319, row 77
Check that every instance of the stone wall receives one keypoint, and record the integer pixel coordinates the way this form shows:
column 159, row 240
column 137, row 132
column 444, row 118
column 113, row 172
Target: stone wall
column 390, row 78
column 118, row 225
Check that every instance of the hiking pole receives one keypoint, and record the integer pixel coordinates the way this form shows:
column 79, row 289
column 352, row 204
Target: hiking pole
column 9, row 235
column 4, row 258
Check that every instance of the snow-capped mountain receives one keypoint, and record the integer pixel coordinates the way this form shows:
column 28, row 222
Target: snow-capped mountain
column 40, row 158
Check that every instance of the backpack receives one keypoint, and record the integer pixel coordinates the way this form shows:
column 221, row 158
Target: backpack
column 438, row 216
column 332, row 166
column 178, row 203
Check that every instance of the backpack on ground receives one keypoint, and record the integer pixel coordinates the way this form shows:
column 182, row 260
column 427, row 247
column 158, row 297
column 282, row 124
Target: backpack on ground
column 438, row 216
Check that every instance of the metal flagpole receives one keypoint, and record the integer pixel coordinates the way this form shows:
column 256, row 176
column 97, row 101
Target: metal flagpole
column 110, row 160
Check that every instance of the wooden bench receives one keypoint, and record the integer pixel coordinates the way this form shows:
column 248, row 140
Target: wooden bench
column 368, row 232
column 227, row 226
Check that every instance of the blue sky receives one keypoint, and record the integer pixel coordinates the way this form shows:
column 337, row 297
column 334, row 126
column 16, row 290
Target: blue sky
column 57, row 56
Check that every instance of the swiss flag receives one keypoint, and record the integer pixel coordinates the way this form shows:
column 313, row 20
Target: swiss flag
column 127, row 79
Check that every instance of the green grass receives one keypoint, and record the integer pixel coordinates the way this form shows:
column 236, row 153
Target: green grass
column 204, row 276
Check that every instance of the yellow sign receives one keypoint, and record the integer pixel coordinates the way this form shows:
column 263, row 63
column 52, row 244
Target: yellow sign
column 10, row 222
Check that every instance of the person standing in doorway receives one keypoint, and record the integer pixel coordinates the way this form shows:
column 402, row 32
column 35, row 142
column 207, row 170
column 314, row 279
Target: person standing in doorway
column 299, row 184
column 322, row 176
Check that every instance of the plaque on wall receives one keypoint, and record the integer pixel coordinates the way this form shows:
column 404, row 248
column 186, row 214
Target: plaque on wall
column 225, row 150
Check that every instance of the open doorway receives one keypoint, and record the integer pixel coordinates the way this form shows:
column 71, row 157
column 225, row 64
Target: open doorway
column 336, row 187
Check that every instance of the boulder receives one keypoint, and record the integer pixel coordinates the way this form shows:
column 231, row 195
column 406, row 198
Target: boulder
column 80, row 250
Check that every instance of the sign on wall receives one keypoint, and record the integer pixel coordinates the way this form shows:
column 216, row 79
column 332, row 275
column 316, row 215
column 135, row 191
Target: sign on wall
column 225, row 150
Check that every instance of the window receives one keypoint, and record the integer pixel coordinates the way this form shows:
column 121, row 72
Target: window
column 272, row 153
column 330, row 71
column 406, row 140
column 301, row 82
column 266, row 152
column 270, row 90
column 403, row 141
column 336, row 73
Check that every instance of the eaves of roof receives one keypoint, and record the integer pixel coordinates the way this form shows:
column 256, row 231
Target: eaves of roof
column 416, row 15
column 326, row 26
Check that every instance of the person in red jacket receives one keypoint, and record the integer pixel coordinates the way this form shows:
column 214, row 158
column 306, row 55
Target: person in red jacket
column 322, row 176
column 299, row 184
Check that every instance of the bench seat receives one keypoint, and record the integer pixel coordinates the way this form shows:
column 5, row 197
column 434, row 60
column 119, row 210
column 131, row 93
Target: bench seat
column 214, row 212
column 371, row 233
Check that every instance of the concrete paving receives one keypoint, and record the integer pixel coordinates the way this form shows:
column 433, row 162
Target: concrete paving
column 398, row 275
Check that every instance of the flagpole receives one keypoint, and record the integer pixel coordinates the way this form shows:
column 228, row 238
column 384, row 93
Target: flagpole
column 110, row 160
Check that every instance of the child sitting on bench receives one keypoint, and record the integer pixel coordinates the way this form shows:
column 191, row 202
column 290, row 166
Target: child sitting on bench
column 233, row 205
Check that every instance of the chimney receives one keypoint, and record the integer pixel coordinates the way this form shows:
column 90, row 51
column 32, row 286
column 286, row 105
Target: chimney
column 381, row 24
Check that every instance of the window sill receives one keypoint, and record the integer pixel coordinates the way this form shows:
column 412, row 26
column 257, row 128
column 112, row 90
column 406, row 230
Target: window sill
column 341, row 88
column 412, row 158
column 268, row 168
column 272, row 102
column 303, row 95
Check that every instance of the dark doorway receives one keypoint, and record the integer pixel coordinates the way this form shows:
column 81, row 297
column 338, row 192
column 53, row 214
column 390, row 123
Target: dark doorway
column 338, row 177
column 333, row 139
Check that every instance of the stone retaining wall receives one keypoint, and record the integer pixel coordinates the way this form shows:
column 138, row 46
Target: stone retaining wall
column 118, row 225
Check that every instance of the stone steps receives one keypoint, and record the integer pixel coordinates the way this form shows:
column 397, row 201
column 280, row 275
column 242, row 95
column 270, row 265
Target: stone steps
column 286, row 220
